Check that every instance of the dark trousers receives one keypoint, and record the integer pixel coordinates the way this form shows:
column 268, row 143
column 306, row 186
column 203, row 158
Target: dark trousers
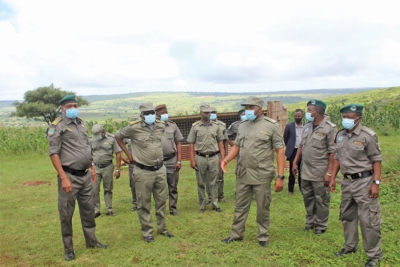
column 292, row 178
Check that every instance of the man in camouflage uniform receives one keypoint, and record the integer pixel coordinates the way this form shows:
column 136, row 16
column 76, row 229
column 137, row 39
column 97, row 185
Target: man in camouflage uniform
column 150, row 172
column 220, row 180
column 171, row 144
column 205, row 143
column 316, row 151
column 358, row 158
column 256, row 141
column 71, row 156
column 103, row 146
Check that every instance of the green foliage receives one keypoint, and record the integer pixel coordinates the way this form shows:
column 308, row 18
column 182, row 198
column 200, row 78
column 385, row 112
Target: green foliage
column 381, row 109
column 42, row 103
column 109, row 125
column 18, row 140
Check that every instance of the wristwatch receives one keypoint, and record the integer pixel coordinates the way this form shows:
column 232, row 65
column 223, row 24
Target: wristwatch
column 329, row 173
column 281, row 177
column 179, row 162
column 377, row 182
column 117, row 170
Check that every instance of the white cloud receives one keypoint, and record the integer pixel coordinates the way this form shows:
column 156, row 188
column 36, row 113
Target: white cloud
column 102, row 47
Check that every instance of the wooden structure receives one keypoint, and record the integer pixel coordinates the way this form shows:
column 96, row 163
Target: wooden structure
column 275, row 111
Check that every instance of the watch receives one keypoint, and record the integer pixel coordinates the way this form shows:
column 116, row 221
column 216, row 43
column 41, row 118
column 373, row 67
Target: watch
column 329, row 173
column 179, row 162
column 281, row 177
column 377, row 182
column 117, row 170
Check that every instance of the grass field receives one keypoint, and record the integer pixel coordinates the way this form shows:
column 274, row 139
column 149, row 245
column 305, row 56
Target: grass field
column 30, row 231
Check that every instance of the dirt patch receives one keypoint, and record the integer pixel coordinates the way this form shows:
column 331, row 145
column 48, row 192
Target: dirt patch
column 35, row 183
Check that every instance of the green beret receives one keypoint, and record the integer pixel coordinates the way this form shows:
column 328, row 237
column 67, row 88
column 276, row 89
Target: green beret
column 352, row 108
column 253, row 101
column 241, row 111
column 318, row 103
column 67, row 99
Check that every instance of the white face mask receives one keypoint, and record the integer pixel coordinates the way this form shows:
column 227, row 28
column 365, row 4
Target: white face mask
column 164, row 117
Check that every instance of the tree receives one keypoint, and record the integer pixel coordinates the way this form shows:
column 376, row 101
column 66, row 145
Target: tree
column 42, row 103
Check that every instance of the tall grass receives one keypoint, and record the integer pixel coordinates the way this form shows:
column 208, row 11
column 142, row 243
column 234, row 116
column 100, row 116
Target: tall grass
column 17, row 140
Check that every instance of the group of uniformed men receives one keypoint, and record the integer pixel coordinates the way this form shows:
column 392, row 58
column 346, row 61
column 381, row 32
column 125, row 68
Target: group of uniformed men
column 154, row 158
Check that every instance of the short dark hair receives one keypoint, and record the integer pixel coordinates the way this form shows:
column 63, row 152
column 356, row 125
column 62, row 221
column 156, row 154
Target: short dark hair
column 299, row 110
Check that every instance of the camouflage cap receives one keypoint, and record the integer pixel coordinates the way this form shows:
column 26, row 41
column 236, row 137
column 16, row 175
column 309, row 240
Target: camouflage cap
column 161, row 106
column 67, row 99
column 317, row 102
column 352, row 108
column 213, row 109
column 253, row 101
column 205, row 108
column 97, row 129
column 148, row 106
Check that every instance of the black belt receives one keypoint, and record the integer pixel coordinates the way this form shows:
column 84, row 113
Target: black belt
column 148, row 168
column 169, row 156
column 79, row 173
column 207, row 155
column 358, row 175
column 103, row 165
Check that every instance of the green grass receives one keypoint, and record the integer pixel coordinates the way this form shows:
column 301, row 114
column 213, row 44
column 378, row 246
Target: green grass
column 30, row 231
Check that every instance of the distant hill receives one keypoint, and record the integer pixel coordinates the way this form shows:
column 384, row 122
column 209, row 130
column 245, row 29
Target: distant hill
column 97, row 98
column 6, row 103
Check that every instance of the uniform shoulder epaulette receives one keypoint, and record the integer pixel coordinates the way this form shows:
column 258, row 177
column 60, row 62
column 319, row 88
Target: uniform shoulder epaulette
column 331, row 123
column 243, row 121
column 195, row 123
column 110, row 134
column 215, row 122
column 221, row 122
column 269, row 119
column 134, row 122
column 171, row 122
column 56, row 121
column 368, row 130
column 160, row 121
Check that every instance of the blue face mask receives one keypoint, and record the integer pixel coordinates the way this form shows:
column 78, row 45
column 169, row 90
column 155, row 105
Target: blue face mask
column 308, row 116
column 100, row 138
column 250, row 115
column 348, row 123
column 244, row 117
column 150, row 119
column 72, row 113
column 213, row 116
column 164, row 117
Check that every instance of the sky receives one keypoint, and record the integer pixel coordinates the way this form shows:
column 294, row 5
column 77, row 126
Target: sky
column 110, row 47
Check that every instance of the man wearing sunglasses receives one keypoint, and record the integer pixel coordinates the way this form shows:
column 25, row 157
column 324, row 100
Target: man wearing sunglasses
column 150, row 172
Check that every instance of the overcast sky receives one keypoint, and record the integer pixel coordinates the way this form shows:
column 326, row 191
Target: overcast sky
column 108, row 47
